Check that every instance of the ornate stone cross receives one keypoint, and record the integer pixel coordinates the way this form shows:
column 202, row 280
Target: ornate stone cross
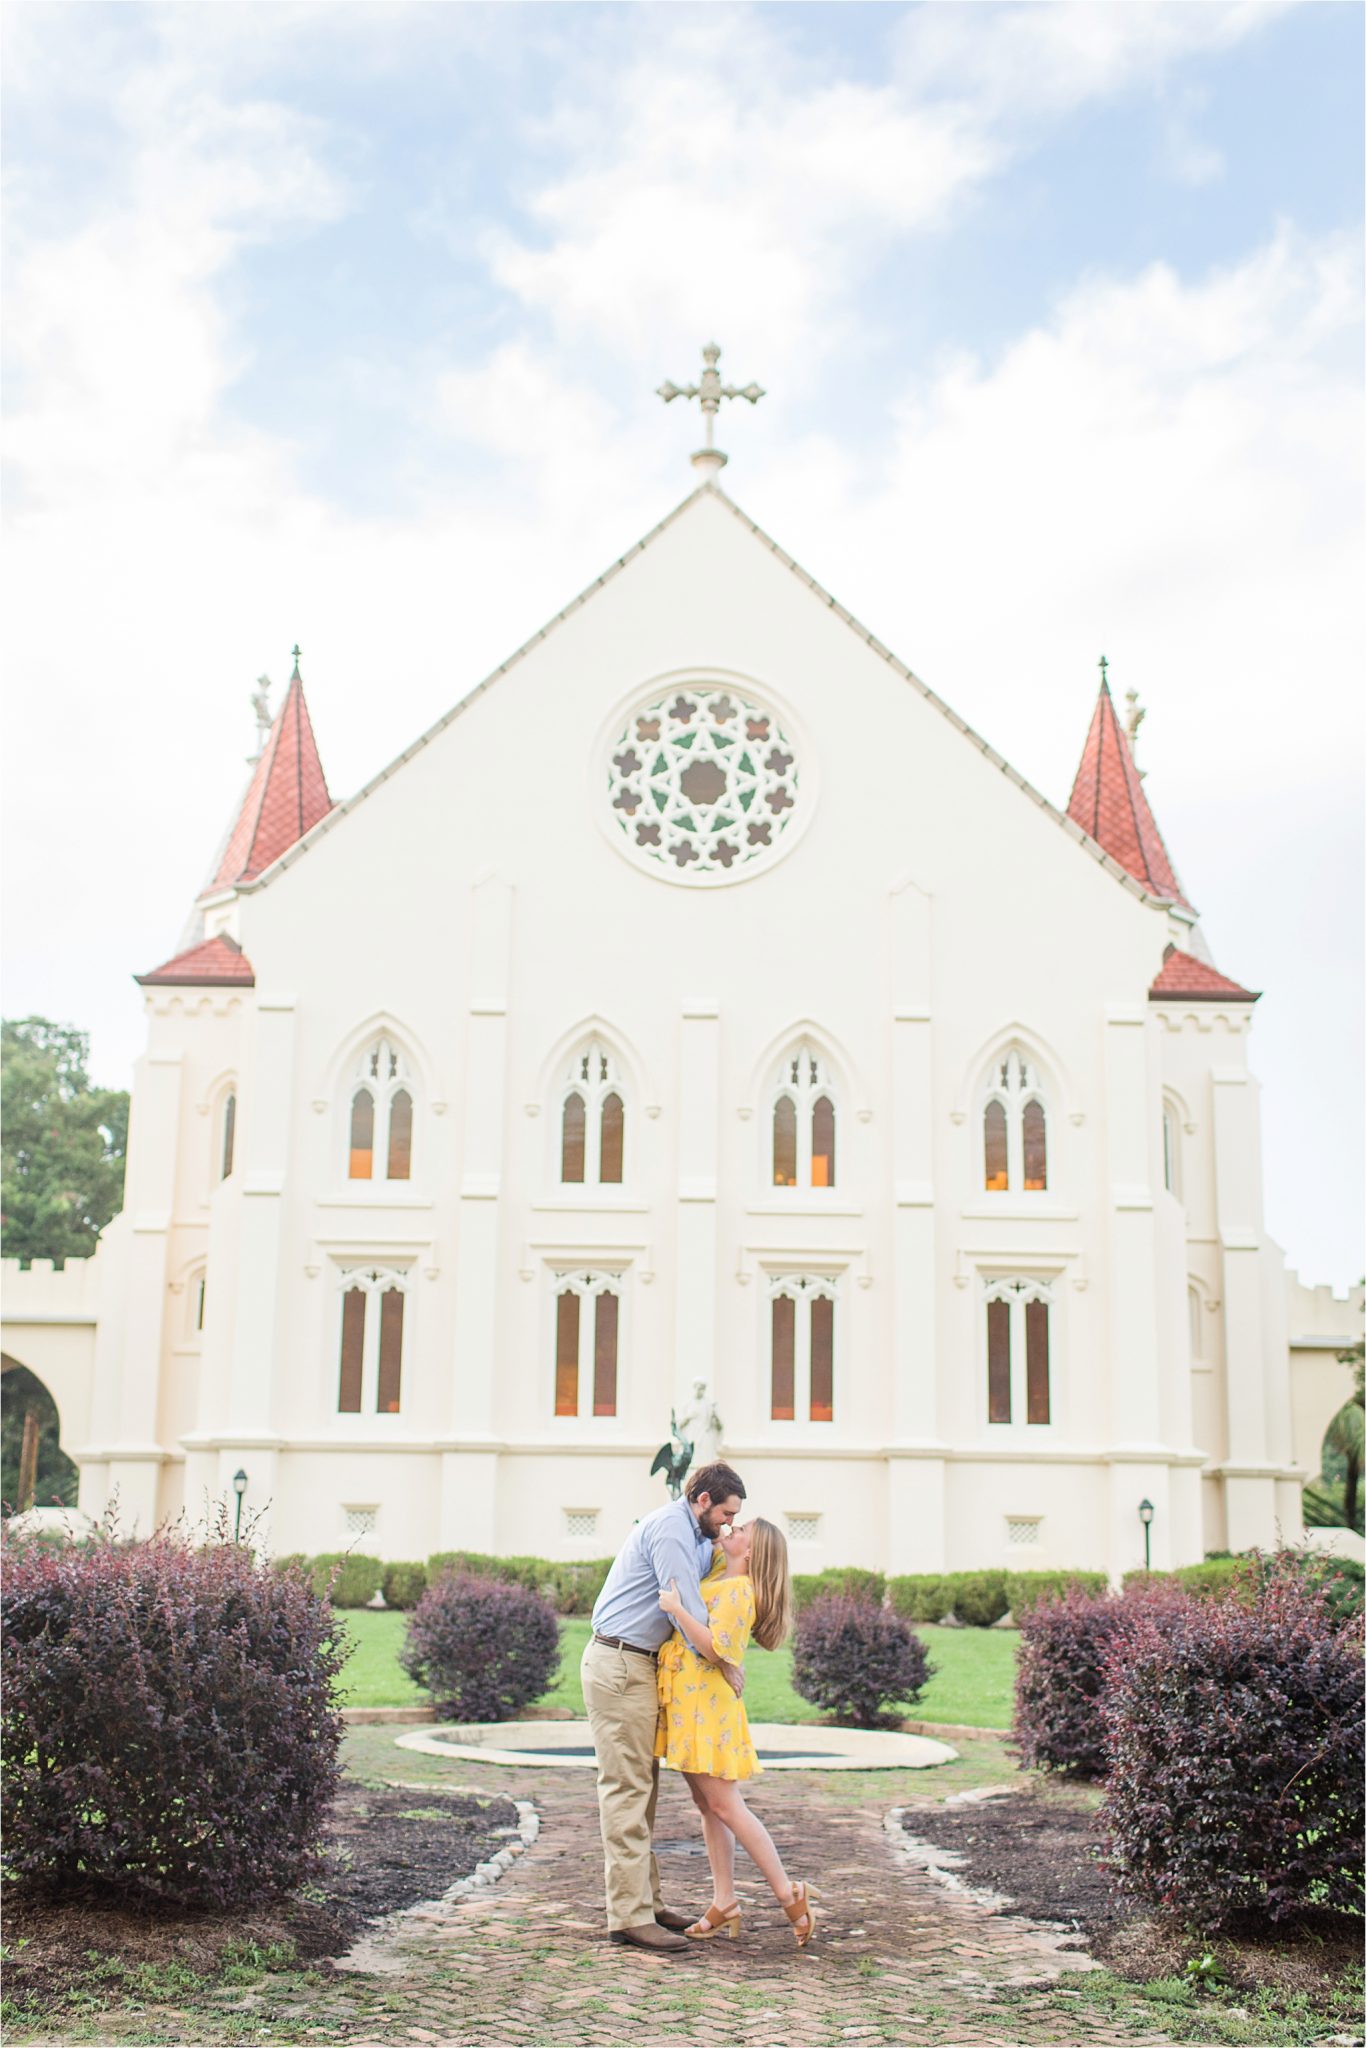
column 710, row 391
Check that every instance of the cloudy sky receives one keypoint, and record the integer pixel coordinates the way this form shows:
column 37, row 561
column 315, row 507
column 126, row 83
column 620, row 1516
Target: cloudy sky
column 343, row 323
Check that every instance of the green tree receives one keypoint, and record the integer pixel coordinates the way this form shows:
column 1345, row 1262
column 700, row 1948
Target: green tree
column 62, row 1156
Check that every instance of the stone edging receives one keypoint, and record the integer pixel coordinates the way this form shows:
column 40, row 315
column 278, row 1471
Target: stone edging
column 374, row 1953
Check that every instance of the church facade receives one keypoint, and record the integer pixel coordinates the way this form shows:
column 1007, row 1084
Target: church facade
column 699, row 1000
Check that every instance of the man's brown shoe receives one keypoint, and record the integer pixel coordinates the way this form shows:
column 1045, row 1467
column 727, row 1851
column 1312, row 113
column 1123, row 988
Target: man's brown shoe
column 666, row 1917
column 649, row 1936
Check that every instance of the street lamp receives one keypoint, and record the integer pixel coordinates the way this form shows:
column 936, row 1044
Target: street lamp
column 239, row 1487
column 1146, row 1511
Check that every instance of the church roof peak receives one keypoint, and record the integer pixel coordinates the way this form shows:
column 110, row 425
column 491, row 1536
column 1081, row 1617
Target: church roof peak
column 1109, row 803
column 286, row 797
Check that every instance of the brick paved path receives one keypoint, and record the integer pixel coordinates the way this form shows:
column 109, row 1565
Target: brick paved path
column 898, row 1957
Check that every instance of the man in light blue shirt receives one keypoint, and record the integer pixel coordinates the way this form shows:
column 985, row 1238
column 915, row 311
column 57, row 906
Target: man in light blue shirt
column 620, row 1692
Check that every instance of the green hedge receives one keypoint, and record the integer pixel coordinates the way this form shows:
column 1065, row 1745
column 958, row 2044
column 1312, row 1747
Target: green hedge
column 1222, row 1575
column 403, row 1584
column 350, row 1579
column 920, row 1596
column 1024, row 1590
column 979, row 1598
column 850, row 1580
column 570, row 1588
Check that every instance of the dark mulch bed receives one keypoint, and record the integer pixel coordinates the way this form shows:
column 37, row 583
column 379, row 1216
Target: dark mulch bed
column 387, row 1848
column 1041, row 1850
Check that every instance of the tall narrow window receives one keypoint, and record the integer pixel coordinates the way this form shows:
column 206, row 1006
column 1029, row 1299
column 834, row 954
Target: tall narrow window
column 605, row 1355
column 362, row 1135
column 593, row 1120
column 823, row 1142
column 567, row 1354
column 784, row 1401
column 380, row 1138
column 803, row 1108
column 998, row 1361
column 400, row 1135
column 612, row 1151
column 784, row 1142
column 1035, row 1146
column 587, row 1344
column 372, row 1334
column 229, row 1135
column 1019, row 1366
column 994, row 1135
column 1036, row 1361
column 1014, row 1127
column 801, row 1348
column 200, row 1291
column 573, row 1131
column 352, row 1351
column 822, row 1359
column 390, row 1351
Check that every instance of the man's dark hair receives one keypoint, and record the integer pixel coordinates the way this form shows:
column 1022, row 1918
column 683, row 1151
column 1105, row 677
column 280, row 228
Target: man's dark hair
column 718, row 1481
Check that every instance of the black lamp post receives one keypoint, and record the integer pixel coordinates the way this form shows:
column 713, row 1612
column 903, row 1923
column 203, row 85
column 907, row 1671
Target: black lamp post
column 1146, row 1511
column 239, row 1487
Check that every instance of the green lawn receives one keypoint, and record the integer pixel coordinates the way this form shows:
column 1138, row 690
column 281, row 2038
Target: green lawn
column 972, row 1684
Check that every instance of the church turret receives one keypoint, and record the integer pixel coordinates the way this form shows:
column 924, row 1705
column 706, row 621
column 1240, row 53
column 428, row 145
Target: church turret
column 285, row 798
column 1108, row 802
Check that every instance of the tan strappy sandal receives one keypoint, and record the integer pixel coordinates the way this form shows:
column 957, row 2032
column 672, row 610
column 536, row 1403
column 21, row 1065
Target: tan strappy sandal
column 801, row 1909
column 713, row 1921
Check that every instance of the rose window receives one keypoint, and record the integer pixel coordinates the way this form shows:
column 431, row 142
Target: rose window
column 704, row 782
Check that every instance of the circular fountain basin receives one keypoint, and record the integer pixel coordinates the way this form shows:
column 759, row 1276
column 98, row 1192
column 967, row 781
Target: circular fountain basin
column 567, row 1745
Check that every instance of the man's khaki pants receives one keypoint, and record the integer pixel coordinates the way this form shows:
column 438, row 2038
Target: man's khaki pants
column 620, row 1693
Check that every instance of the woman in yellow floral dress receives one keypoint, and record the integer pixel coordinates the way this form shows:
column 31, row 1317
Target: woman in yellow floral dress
column 703, row 1728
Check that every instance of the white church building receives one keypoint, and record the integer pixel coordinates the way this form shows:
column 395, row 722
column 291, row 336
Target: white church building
column 706, row 1024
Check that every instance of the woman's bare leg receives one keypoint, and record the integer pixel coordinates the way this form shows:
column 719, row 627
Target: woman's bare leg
column 720, row 1847
column 726, row 1805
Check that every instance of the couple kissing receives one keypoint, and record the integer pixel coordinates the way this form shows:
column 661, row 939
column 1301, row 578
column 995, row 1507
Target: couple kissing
column 663, row 1682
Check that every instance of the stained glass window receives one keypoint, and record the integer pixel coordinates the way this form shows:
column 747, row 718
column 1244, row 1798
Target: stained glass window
column 702, row 783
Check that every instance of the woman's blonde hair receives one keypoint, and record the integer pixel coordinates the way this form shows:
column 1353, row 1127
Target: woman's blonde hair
column 771, row 1576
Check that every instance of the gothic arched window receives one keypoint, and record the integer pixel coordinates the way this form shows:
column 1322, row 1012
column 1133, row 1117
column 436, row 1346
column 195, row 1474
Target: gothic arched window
column 801, row 1348
column 1014, row 1127
column 229, row 1136
column 803, row 1121
column 593, row 1120
column 370, row 1361
column 381, row 1116
column 1019, row 1371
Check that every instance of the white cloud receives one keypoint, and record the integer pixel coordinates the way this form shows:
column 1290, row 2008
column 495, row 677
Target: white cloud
column 702, row 177
column 1017, row 63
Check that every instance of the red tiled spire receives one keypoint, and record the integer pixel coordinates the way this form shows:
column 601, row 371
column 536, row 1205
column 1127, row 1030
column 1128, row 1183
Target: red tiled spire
column 286, row 797
column 1192, row 980
column 1107, row 801
column 218, row 962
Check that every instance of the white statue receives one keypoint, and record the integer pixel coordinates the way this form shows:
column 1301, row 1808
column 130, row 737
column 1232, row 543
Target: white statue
column 701, row 1425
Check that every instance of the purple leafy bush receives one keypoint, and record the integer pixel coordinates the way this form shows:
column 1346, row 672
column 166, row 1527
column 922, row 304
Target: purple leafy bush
column 1060, row 1673
column 482, row 1649
column 858, row 1661
column 1235, row 1738
column 167, row 1720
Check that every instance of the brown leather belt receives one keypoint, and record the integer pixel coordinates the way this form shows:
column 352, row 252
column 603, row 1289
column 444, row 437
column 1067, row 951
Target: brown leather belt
column 616, row 1643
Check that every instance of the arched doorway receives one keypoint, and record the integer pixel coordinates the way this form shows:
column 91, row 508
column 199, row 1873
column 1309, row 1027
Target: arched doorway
column 34, row 1469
